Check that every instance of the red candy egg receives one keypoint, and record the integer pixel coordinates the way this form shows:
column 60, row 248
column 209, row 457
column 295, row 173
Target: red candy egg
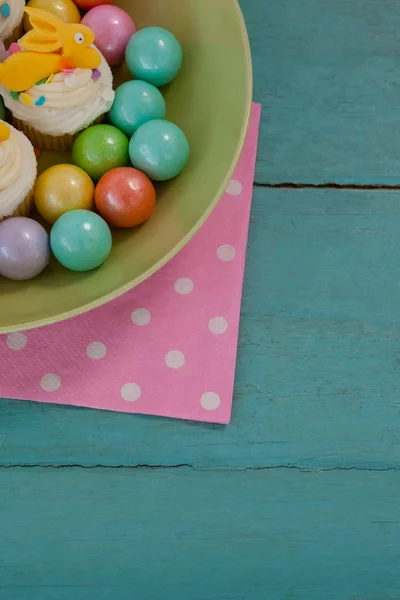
column 88, row 4
column 125, row 197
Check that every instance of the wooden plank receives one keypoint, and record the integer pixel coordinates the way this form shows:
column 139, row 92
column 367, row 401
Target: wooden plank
column 76, row 534
column 328, row 76
column 317, row 380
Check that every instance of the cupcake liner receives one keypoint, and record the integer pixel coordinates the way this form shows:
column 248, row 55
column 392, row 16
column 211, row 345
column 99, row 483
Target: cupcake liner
column 15, row 35
column 24, row 209
column 45, row 141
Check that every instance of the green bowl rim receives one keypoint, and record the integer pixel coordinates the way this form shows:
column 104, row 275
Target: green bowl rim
column 125, row 288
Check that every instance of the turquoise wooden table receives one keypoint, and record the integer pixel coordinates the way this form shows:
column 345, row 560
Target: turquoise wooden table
column 299, row 498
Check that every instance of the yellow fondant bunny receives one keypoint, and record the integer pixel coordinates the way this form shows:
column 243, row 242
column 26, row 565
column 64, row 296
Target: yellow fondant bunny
column 43, row 47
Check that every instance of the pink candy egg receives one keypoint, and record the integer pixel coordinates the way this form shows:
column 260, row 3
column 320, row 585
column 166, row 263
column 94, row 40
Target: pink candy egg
column 112, row 28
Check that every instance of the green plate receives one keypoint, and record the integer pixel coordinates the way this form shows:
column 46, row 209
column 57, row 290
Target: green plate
column 211, row 101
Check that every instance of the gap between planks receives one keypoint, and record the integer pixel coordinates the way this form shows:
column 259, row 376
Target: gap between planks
column 193, row 468
column 326, row 186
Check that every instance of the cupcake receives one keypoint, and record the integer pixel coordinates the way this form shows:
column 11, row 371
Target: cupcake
column 17, row 157
column 57, row 84
column 11, row 13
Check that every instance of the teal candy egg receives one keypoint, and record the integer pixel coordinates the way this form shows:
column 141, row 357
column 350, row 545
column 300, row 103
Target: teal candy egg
column 154, row 54
column 160, row 149
column 136, row 103
column 2, row 109
column 80, row 240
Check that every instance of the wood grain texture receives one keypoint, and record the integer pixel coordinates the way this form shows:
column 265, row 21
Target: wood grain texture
column 106, row 534
column 317, row 381
column 328, row 76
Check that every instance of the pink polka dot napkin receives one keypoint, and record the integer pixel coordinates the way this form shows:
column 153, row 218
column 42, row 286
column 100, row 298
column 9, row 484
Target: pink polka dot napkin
column 167, row 347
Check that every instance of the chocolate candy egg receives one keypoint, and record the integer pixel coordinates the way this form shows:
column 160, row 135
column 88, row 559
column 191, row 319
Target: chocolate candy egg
column 125, row 197
column 62, row 188
column 99, row 149
column 24, row 248
column 135, row 103
column 81, row 240
column 113, row 28
column 65, row 10
column 154, row 55
column 160, row 149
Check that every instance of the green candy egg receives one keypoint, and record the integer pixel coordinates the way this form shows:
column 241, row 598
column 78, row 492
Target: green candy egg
column 99, row 149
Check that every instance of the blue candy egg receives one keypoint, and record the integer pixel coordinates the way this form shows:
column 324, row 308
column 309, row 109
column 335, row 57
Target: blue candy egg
column 81, row 240
column 154, row 55
column 136, row 103
column 160, row 149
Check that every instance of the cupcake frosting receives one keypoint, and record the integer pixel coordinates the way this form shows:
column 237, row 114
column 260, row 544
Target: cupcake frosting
column 66, row 103
column 11, row 13
column 17, row 157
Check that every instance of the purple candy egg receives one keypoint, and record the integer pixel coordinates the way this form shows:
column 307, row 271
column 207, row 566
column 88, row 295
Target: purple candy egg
column 24, row 248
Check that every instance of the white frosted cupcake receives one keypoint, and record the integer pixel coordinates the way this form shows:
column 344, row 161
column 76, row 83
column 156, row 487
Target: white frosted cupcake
column 55, row 82
column 17, row 172
column 61, row 108
column 11, row 13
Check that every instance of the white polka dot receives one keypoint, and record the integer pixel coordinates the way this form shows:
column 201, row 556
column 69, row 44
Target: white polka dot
column 184, row 286
column 218, row 325
column 17, row 341
column 96, row 350
column 131, row 392
column 210, row 401
column 234, row 188
column 175, row 359
column 141, row 316
column 50, row 382
column 226, row 253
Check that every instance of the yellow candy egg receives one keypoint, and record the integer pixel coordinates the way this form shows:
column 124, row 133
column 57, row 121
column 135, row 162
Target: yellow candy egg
column 63, row 9
column 62, row 188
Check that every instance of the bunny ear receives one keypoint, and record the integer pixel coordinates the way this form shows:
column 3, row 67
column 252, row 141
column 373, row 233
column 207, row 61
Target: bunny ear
column 39, row 42
column 44, row 37
column 44, row 22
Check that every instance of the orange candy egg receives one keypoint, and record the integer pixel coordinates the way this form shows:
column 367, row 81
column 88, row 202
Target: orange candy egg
column 88, row 4
column 62, row 188
column 65, row 10
column 125, row 197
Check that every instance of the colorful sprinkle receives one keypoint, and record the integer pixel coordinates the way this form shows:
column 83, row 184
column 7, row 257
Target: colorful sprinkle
column 40, row 101
column 70, row 80
column 42, row 81
column 50, row 79
column 108, row 94
column 65, row 63
column 14, row 47
column 14, row 95
column 96, row 74
column 68, row 70
column 25, row 99
column 5, row 10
